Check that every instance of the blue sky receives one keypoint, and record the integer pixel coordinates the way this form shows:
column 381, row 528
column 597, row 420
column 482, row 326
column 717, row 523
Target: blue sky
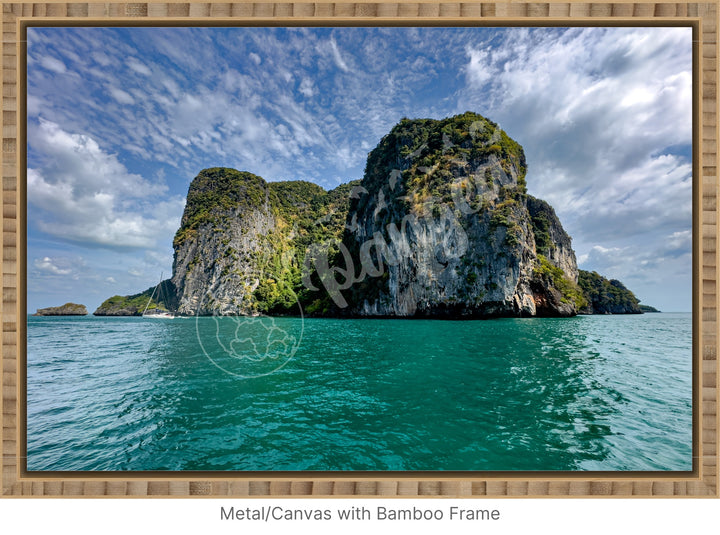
column 120, row 120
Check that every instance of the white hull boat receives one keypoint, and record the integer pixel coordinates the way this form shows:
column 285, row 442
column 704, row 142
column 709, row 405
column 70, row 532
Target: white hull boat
column 156, row 313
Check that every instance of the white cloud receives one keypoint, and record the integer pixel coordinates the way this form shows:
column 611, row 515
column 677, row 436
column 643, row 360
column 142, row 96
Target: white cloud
column 680, row 241
column 255, row 58
column 86, row 195
column 480, row 69
column 287, row 76
column 194, row 113
column 171, row 86
column 339, row 61
column 34, row 105
column 139, row 67
column 60, row 269
column 48, row 265
column 307, row 87
column 121, row 96
column 653, row 197
column 53, row 64
column 102, row 59
column 111, row 280
column 589, row 96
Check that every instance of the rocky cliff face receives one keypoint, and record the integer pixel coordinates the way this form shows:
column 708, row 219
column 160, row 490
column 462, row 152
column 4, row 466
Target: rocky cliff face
column 551, row 240
column 222, row 243
column 242, row 241
column 445, row 228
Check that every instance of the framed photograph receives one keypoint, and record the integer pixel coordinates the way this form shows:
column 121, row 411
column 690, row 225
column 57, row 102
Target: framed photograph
column 359, row 249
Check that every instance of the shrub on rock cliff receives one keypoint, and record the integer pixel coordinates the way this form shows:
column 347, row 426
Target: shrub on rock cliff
column 215, row 191
column 607, row 296
column 571, row 292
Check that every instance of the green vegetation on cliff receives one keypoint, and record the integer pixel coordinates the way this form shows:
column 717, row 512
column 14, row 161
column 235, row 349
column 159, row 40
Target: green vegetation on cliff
column 133, row 305
column 316, row 219
column 307, row 215
column 606, row 296
column 569, row 290
column 541, row 226
column 215, row 191
column 314, row 214
column 428, row 153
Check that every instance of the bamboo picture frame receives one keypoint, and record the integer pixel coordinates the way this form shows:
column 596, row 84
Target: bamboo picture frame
column 700, row 482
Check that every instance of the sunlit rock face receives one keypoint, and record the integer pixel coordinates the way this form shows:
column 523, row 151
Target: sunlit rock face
column 444, row 227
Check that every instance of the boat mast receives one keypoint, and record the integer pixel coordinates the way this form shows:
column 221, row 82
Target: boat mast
column 153, row 294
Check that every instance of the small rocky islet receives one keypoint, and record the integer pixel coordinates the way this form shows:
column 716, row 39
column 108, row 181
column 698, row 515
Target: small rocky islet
column 440, row 226
column 68, row 309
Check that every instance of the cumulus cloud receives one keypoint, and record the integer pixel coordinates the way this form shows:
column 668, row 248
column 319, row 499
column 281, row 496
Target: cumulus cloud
column 48, row 265
column 86, row 195
column 60, row 269
column 589, row 105
column 481, row 67
column 307, row 87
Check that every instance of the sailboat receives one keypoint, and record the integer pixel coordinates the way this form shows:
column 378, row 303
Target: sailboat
column 156, row 313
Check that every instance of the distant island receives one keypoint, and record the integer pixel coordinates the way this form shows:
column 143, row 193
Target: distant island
column 68, row 309
column 440, row 226
column 608, row 296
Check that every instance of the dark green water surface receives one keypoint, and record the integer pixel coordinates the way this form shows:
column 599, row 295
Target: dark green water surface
column 584, row 393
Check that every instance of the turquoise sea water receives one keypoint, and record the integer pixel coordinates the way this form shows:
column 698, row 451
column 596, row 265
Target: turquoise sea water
column 584, row 393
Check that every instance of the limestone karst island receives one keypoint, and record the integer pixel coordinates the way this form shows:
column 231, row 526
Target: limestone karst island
column 68, row 309
column 441, row 225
